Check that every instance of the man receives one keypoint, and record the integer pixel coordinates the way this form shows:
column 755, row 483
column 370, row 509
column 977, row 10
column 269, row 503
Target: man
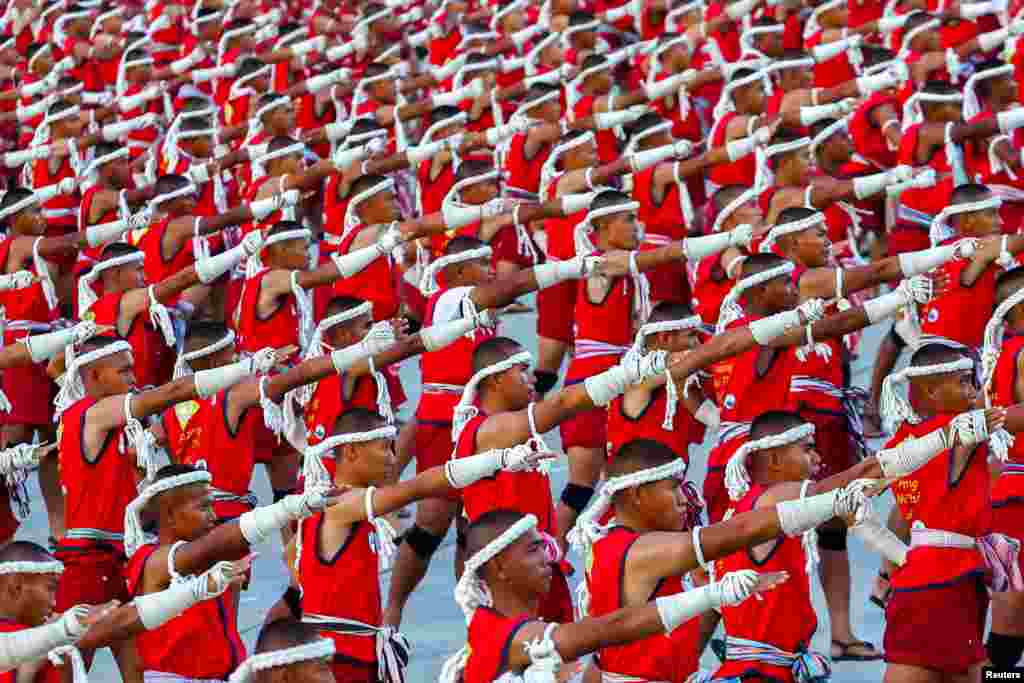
column 335, row 555
column 288, row 651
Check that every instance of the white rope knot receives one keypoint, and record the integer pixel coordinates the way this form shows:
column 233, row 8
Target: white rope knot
column 59, row 655
column 969, row 428
column 731, row 309
column 466, row 410
column 134, row 535
column 895, row 408
column 737, row 478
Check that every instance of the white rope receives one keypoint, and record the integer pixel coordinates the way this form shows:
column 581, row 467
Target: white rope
column 818, row 218
column 351, row 221
column 322, row 648
column 31, row 567
column 731, row 309
column 940, row 229
column 745, row 197
column 73, row 390
column 466, row 410
column 550, row 167
column 428, row 282
column 86, row 294
column 134, row 534
column 895, row 408
column 972, row 105
column 182, row 367
column 471, row 591
column 737, row 478
column 254, row 265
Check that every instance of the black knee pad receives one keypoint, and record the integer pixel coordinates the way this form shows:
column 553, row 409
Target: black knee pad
column 832, row 539
column 546, row 381
column 461, row 524
column 421, row 541
column 1004, row 651
column 293, row 598
column 577, row 497
column 279, row 493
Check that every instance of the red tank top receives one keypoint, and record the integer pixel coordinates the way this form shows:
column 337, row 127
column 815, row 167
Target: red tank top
column 960, row 313
column 330, row 401
column 200, row 643
column 745, row 390
column 1010, row 484
column 931, row 497
column 61, row 212
column 89, row 255
column 23, row 304
column 375, row 283
column 784, row 617
column 867, row 138
column 648, row 425
column 739, row 172
column 158, row 268
column 489, row 640
column 664, row 657
column 664, row 222
column 607, row 146
column 95, row 493
column 344, row 586
column 711, row 286
column 280, row 329
column 930, row 200
column 153, row 359
column 523, row 173
column 334, row 210
column 608, row 322
column 525, row 492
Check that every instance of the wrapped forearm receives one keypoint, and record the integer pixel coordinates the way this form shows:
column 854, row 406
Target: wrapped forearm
column 43, row 347
column 651, row 157
column 128, row 103
column 112, row 131
column 453, row 98
column 920, row 262
column 439, row 336
column 223, row 71
column 463, row 472
column 885, row 306
column 32, row 644
column 737, row 149
column 993, row 39
column 825, row 52
column 610, row 119
column 209, row 382
column 911, row 454
column 1011, row 119
column 317, row 83
column 803, row 514
column 421, row 153
column 553, row 272
column 881, row 540
column 872, row 83
column 30, row 112
column 209, row 269
column 355, row 262
column 870, row 185
column 65, row 186
column 317, row 44
column 697, row 248
column 260, row 524
column 733, row 589
column 24, row 156
column 180, row 66
column 96, row 235
column 811, row 115
column 156, row 609
column 766, row 330
column 604, row 387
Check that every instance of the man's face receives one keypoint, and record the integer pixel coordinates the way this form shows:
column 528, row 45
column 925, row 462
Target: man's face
column 376, row 460
column 37, row 597
column 517, row 386
column 623, row 230
column 478, row 271
column 527, row 564
column 291, row 254
column 770, row 44
column 281, row 118
column 951, row 392
column 480, row 193
column 349, row 332
column 30, row 221
column 116, row 373
column 798, row 461
column 381, row 208
column 813, row 247
column 193, row 515
column 984, row 223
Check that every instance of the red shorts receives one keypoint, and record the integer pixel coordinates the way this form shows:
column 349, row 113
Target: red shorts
column 350, row 671
column 556, row 607
column 92, row 576
column 31, row 393
column 906, row 238
column 588, row 429
column 941, row 629
column 433, row 447
column 832, row 440
column 555, row 311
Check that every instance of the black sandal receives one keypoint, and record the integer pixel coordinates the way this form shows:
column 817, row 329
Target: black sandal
column 844, row 651
column 881, row 600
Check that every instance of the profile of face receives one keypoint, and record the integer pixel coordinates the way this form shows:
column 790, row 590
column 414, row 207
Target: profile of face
column 290, row 254
column 114, row 373
column 778, row 294
column 622, row 230
column 517, row 386
column 127, row 276
column 349, row 332
column 983, row 223
column 677, row 340
column 751, row 97
column 317, row 671
column 116, row 175
column 770, row 44
column 30, row 221
column 193, row 515
column 677, row 58
column 664, row 504
column 746, row 214
column 480, row 193
column 374, row 462
column 951, row 392
column 512, row 22
column 581, row 156
column 549, row 112
column 381, row 207
column 796, row 165
column 525, row 565
column 33, row 597
column 797, row 461
column 281, row 119
column 812, row 246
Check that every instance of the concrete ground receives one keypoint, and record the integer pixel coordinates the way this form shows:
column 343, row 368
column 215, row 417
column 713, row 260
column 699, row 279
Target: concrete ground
column 434, row 623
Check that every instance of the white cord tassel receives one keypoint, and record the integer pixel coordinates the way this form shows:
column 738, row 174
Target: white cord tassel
column 737, row 478
column 160, row 317
column 58, row 656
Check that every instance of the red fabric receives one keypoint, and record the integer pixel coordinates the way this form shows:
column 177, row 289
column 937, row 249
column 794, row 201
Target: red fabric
column 330, row 401
column 555, row 311
column 588, row 429
column 930, row 200
column 783, row 617
column 153, row 360
column 710, row 288
column 489, row 639
column 1004, row 381
column 940, row 628
column 280, row 329
column 377, row 283
column 344, row 585
column 663, row 222
column 739, row 172
column 664, row 657
column 150, row 241
column 867, row 137
column 716, row 498
column 648, row 425
column 31, row 392
column 930, row 497
column 209, row 627
column 744, row 391
column 94, row 574
column 523, row 173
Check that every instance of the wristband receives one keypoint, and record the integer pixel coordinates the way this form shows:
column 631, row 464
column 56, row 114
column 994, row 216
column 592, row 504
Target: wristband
column 911, row 454
column 765, row 330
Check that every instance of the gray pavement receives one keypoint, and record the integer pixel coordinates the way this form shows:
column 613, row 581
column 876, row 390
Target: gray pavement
column 434, row 623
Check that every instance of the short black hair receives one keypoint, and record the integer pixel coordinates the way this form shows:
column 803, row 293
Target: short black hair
column 488, row 527
column 494, row 350
column 356, row 420
column 774, row 422
column 640, row 454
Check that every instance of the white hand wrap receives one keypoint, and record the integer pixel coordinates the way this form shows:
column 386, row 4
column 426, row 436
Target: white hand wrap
column 622, row 117
column 574, row 203
column 867, row 85
column 708, row 414
column 32, row 644
column 765, row 330
column 463, row 472
column 156, row 609
column 261, row 208
column 737, row 149
column 803, row 514
column 870, row 185
column 260, row 524
column 199, row 173
column 421, row 153
column 911, row 455
column 439, row 336
column 604, row 387
column 209, row 382
column 920, row 262
column 993, row 39
column 19, row 280
column 733, row 589
column 204, row 75
column 95, row 235
column 318, row 44
column 881, row 540
column 666, row 87
column 344, row 158
column 827, row 51
column 452, row 99
column 553, row 272
column 811, row 115
column 71, row 622
column 696, row 248
column 356, row 261
column 643, row 160
column 112, row 131
column 890, row 24
column 43, row 347
column 318, row 83
column 738, row 10
column 380, row 338
column 885, row 306
column 1011, row 119
column 209, row 269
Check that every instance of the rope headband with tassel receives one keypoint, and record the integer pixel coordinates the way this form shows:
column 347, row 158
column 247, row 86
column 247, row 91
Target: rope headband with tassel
column 791, row 228
column 134, row 535
column 428, row 283
column 73, row 390
column 254, row 265
column 322, row 648
column 351, row 219
column 940, row 230
column 731, row 309
column 183, row 369
column 86, row 295
column 737, row 478
column 466, row 410
column 897, row 409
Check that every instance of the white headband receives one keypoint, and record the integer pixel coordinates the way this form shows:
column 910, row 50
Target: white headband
column 30, row 567
column 817, row 218
column 553, row 96
column 972, row 106
column 812, row 26
column 183, row 369
column 745, row 197
column 351, row 221
column 183, row 191
column 897, row 409
column 73, row 390
column 86, row 295
column 912, row 107
column 748, row 36
column 940, row 229
column 236, row 87
column 222, row 44
column 737, row 478
column 134, row 535
column 550, row 166
column 453, row 195
column 255, row 264
column 692, row 322
column 731, row 310
column 583, row 230
column 457, row 120
column 322, row 648
column 908, row 37
column 663, row 127
column 833, row 128
column 428, row 283
column 466, row 410
column 471, row 592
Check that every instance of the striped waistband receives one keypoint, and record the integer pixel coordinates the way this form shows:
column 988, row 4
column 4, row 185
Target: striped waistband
column 589, row 348
column 27, row 326
column 221, row 496
column 438, row 388
column 1007, row 193
column 905, row 213
column 727, row 431
column 94, row 535
column 1012, row 468
column 612, row 677
column 806, row 383
column 340, row 625
column 937, row 538
column 164, row 677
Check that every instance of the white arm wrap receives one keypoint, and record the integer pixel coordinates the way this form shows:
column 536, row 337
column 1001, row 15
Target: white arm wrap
column 882, row 307
column 604, row 387
column 209, row 269
column 708, row 414
column 911, row 455
column 261, row 208
column 43, row 347
column 451, row 99
column 738, row 10
column 920, row 262
column 826, row 51
column 553, row 272
column 438, row 336
column 354, row 262
column 803, row 514
column 112, row 131
column 1011, row 119
column 696, row 248
column 209, row 382
column 135, row 101
column 993, row 39
column 872, row 83
column 765, row 330
column 811, row 115
column 881, row 540
column 156, row 609
column 870, row 185
column 681, row 607
column 96, row 235
column 260, row 524
column 664, row 88
column 345, row 358
column 462, row 472
column 421, row 153
column 643, row 160
column 344, row 158
column 37, row 88
column 199, row 173
column 31, row 644
column 737, row 149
